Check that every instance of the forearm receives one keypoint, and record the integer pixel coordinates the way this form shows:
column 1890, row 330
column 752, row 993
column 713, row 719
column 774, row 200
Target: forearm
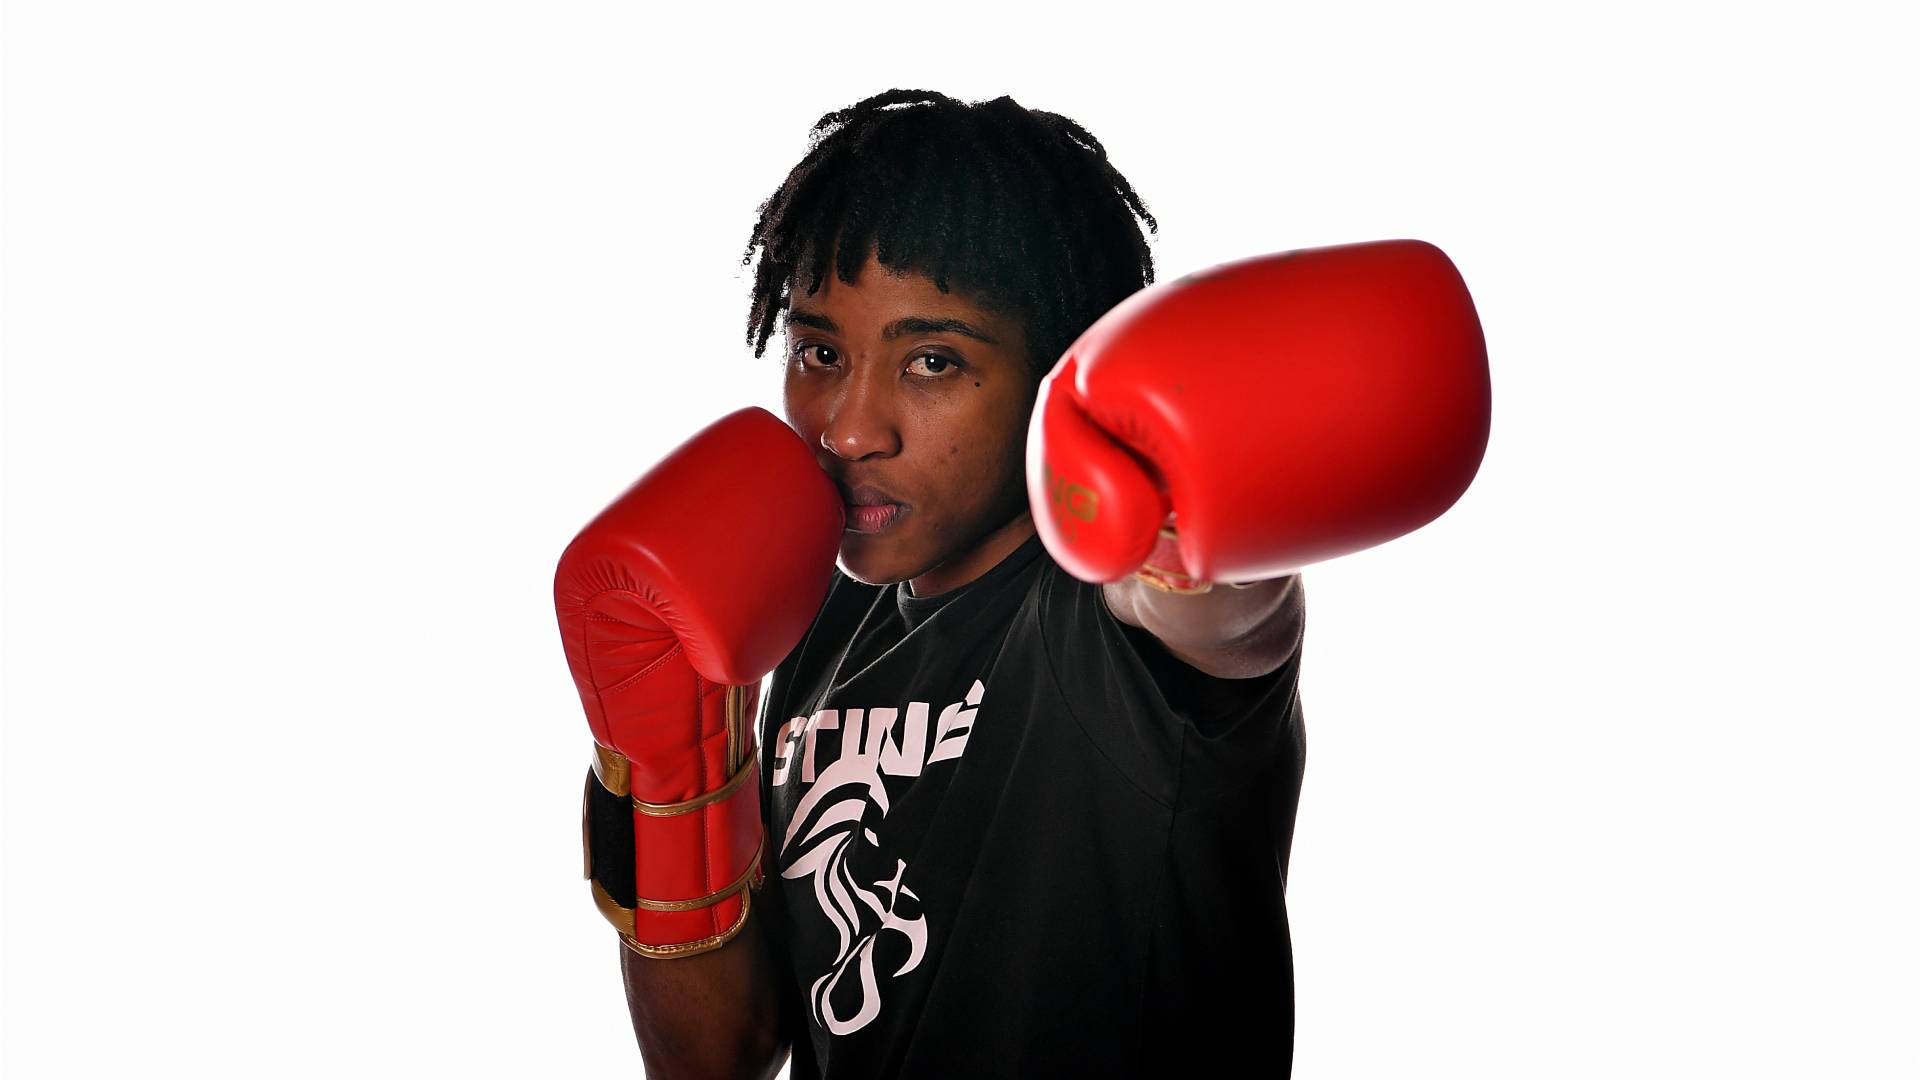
column 708, row 1016
column 1235, row 632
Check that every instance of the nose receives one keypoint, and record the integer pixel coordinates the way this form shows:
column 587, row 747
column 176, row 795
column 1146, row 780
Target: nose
column 860, row 418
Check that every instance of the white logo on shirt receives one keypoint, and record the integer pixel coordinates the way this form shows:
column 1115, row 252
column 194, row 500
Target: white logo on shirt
column 840, row 794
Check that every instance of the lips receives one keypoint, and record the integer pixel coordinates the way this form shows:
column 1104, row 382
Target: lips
column 870, row 509
column 871, row 519
column 867, row 495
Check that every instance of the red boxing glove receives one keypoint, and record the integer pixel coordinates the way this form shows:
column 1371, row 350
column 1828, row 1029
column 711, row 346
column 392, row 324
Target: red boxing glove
column 673, row 604
column 1289, row 408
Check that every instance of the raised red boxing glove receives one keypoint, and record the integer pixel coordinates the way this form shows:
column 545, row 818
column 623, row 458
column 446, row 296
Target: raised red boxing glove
column 673, row 604
column 1279, row 410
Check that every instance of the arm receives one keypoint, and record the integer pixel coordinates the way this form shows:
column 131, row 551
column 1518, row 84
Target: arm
column 1229, row 633
column 669, row 622
column 716, row 1014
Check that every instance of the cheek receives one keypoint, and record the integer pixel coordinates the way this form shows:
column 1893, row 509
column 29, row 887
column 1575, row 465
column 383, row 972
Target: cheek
column 989, row 455
column 800, row 414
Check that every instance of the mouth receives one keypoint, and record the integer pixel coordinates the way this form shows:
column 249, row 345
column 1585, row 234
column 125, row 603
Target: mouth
column 869, row 509
column 872, row 519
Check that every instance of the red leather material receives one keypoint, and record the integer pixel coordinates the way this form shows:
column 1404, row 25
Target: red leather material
column 1289, row 408
column 704, row 574
column 1089, row 482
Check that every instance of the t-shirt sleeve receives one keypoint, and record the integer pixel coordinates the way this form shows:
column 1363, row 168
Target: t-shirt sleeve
column 1198, row 731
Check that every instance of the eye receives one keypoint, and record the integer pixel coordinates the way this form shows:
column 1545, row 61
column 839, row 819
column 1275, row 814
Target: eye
column 940, row 364
column 827, row 355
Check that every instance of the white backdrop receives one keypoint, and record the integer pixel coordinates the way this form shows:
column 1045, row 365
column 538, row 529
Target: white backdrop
column 328, row 324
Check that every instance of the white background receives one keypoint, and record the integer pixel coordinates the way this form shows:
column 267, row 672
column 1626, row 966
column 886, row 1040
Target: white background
column 328, row 324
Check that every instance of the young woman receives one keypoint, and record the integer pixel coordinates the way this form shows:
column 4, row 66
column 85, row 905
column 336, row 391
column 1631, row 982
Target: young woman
column 1023, row 793
column 1009, row 830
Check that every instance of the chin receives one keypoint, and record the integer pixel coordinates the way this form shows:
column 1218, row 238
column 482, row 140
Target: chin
column 869, row 567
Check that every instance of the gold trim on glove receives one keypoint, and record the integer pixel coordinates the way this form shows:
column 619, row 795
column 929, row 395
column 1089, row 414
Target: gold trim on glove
column 622, row 918
column 688, row 806
column 1177, row 581
column 711, row 898
column 1167, row 584
column 613, row 769
column 737, row 723
column 694, row 948
column 616, row 771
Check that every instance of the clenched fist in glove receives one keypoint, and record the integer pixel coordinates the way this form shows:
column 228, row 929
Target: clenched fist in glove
column 1275, row 412
column 673, row 604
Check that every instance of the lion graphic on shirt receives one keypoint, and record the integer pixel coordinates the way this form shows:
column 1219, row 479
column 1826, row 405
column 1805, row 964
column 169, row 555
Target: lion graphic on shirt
column 832, row 816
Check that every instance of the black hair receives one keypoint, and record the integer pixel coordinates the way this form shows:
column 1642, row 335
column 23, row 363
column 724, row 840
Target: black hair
column 1017, row 207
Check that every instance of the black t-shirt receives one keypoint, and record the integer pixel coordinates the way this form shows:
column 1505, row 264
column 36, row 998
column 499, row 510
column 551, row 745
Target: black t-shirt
column 1009, row 835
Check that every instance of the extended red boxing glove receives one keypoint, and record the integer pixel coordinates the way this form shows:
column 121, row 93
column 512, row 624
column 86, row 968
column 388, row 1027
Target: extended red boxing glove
column 1288, row 408
column 673, row 604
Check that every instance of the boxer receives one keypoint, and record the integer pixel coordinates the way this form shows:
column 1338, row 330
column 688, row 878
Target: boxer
column 1023, row 562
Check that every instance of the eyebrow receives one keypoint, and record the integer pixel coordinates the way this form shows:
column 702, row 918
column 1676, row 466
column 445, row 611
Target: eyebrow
column 911, row 324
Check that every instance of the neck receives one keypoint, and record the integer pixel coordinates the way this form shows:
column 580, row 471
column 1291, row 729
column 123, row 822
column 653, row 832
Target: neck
column 984, row 556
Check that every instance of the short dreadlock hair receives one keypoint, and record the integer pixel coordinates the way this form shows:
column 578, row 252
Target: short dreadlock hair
column 1017, row 207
